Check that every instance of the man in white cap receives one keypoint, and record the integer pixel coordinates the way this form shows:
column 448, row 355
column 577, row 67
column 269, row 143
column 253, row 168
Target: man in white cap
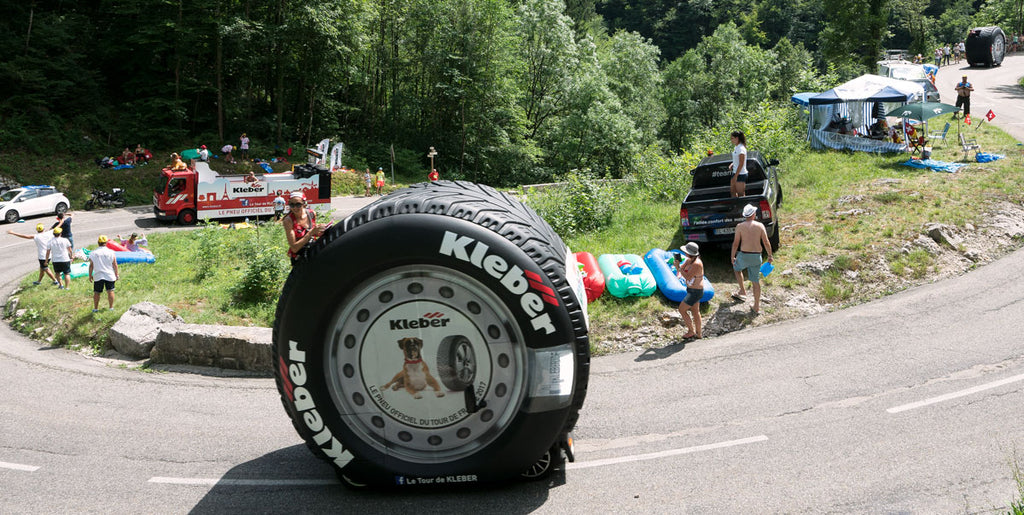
column 692, row 272
column 42, row 239
column 749, row 241
column 103, row 273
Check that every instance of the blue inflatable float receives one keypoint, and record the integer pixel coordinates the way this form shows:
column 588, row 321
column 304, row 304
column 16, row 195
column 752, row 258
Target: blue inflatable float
column 135, row 257
column 671, row 286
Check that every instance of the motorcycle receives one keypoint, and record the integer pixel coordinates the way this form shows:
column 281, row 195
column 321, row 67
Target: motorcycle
column 113, row 198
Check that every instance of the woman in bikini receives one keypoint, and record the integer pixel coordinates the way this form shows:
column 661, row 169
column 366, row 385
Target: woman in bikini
column 692, row 272
column 300, row 226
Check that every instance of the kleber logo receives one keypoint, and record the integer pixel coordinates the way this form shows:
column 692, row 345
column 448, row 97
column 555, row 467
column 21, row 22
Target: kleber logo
column 528, row 286
column 293, row 377
column 428, row 320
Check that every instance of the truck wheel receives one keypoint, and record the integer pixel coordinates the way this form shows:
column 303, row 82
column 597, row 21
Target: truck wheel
column 456, row 362
column 445, row 280
column 773, row 240
column 12, row 216
column 187, row 217
column 60, row 209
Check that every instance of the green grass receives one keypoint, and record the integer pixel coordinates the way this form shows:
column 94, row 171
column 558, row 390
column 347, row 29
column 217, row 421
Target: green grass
column 197, row 275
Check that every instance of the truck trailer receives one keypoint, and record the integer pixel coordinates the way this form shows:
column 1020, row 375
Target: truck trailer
column 199, row 193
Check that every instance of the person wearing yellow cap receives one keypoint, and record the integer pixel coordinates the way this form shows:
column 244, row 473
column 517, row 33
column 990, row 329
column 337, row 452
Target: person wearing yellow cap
column 60, row 252
column 42, row 239
column 103, row 273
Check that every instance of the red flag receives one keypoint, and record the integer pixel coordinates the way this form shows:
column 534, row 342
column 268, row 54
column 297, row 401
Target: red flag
column 990, row 115
column 967, row 119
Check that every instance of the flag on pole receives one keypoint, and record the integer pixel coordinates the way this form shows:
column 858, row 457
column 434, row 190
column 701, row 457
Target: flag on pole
column 990, row 115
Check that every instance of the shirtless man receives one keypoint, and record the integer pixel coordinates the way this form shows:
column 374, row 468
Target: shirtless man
column 748, row 242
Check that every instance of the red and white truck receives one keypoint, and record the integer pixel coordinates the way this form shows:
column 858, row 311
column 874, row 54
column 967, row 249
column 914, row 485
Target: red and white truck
column 200, row 193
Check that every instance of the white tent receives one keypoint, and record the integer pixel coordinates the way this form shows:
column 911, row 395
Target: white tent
column 842, row 115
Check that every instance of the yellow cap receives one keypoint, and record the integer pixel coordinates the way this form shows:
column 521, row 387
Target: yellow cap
column 102, row 239
column 40, row 228
column 57, row 230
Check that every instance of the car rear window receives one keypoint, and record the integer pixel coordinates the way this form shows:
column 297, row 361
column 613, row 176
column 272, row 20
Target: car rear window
column 710, row 176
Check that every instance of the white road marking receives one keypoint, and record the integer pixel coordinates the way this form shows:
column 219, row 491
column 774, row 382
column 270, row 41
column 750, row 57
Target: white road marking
column 16, row 466
column 212, row 481
column 663, row 454
column 956, row 395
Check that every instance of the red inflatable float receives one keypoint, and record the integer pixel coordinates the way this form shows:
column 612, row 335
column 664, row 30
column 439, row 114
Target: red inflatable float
column 593, row 278
column 117, row 247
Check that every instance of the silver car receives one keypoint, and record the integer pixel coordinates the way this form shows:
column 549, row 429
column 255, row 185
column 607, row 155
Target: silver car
column 29, row 201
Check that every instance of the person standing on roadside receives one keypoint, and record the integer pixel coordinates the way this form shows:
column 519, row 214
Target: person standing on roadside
column 380, row 181
column 692, row 273
column 300, row 227
column 42, row 239
column 738, row 183
column 368, row 179
column 60, row 252
column 433, row 175
column 963, row 95
column 243, row 148
column 64, row 222
column 279, row 204
column 749, row 241
column 103, row 273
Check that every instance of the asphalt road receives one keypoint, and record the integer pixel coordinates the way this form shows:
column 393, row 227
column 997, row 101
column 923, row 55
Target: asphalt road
column 912, row 403
column 994, row 88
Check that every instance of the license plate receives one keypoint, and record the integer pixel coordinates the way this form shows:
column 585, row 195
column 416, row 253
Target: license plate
column 725, row 230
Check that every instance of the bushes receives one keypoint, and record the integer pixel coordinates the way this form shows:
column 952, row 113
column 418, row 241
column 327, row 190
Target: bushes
column 581, row 204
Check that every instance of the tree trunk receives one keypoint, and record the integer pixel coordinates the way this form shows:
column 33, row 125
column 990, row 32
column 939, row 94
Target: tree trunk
column 28, row 32
column 177, row 60
column 220, row 79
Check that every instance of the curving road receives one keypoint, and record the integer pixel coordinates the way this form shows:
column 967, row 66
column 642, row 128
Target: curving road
column 994, row 88
column 912, row 403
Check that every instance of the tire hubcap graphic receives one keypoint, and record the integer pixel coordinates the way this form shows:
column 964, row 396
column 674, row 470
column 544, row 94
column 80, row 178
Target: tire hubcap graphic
column 405, row 345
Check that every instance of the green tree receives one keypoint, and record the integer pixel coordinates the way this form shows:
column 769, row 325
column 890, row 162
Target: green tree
column 630, row 63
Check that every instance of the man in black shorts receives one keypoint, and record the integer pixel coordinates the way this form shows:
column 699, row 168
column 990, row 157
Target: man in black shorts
column 103, row 273
column 963, row 95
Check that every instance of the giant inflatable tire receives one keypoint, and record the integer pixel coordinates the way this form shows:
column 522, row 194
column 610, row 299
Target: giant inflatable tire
column 985, row 46
column 446, row 266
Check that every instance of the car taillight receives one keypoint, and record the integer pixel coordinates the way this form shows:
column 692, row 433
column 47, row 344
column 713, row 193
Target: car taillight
column 684, row 217
column 766, row 210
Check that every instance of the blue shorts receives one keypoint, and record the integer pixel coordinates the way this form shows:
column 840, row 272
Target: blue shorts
column 693, row 296
column 751, row 261
column 741, row 177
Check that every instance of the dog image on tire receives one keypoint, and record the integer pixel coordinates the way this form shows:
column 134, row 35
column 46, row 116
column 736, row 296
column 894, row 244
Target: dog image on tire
column 436, row 336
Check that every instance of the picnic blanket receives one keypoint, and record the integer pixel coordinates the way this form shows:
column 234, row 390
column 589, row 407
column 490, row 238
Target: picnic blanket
column 935, row 166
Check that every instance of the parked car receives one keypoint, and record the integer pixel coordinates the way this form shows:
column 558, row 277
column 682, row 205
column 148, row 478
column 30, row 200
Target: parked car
column 28, row 201
column 710, row 214
column 906, row 70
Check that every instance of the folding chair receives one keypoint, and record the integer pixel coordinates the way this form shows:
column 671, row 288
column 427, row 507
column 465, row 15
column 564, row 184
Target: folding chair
column 940, row 135
column 917, row 144
column 968, row 145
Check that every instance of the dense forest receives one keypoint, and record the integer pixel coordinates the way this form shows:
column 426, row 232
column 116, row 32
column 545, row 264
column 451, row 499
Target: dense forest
column 506, row 90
